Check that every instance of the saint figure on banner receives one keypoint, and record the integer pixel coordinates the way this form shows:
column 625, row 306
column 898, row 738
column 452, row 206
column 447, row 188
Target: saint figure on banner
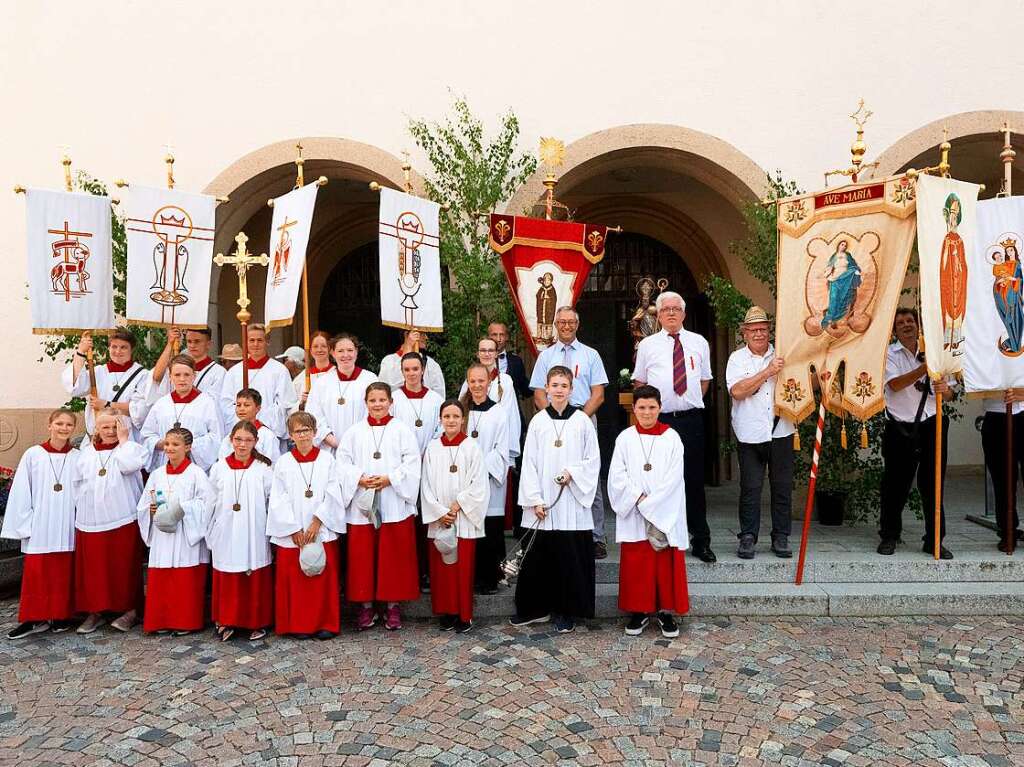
column 1006, row 292
column 547, row 302
column 953, row 278
column 843, row 275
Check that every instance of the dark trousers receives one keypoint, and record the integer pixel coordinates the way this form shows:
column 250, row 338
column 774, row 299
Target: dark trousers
column 907, row 455
column 689, row 425
column 558, row 575
column 490, row 550
column 993, row 443
column 777, row 456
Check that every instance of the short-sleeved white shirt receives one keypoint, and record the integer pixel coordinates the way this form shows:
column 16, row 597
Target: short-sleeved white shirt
column 753, row 416
column 654, row 366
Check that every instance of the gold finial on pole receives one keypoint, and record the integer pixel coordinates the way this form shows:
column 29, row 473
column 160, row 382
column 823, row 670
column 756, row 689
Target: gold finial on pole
column 169, row 160
column 857, row 149
column 242, row 260
column 65, row 160
column 299, row 162
column 552, row 154
column 407, row 171
column 944, row 148
column 1007, row 156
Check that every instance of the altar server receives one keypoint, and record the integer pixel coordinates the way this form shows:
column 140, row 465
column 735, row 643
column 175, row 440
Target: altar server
column 414, row 404
column 243, row 578
column 183, row 407
column 561, row 466
column 487, row 425
column 321, row 365
column 454, row 492
column 121, row 383
column 502, row 391
column 382, row 564
column 647, row 494
column 174, row 514
column 391, row 365
column 267, row 376
column 305, row 518
column 338, row 399
column 41, row 514
column 247, row 408
column 108, row 550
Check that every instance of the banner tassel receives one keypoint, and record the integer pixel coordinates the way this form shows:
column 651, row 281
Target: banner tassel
column 864, row 436
column 842, row 436
column 796, row 441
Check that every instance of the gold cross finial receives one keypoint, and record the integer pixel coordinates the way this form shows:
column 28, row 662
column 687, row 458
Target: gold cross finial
column 299, row 162
column 169, row 160
column 65, row 160
column 861, row 115
column 407, row 171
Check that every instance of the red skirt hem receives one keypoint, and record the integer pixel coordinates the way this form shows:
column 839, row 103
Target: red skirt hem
column 175, row 598
column 304, row 604
column 108, row 570
column 382, row 564
column 451, row 586
column 243, row 601
column 47, row 587
column 650, row 580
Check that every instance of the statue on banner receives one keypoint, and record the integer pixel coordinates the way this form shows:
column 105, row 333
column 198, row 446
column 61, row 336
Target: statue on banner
column 547, row 302
column 953, row 278
column 1006, row 293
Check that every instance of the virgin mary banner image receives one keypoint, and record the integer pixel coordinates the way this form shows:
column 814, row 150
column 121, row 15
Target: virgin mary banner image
column 842, row 258
column 946, row 225
column 994, row 325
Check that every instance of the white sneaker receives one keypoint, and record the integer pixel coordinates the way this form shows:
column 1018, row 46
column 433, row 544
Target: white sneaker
column 90, row 624
column 125, row 622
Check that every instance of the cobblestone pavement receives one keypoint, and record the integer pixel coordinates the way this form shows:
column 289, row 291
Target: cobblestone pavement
column 906, row 691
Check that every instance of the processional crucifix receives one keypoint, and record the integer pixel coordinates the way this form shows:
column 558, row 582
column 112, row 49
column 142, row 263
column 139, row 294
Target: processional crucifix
column 242, row 260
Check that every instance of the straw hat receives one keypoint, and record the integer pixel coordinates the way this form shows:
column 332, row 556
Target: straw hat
column 754, row 315
column 231, row 352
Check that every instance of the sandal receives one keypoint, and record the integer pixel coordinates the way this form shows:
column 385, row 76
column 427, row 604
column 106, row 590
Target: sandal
column 226, row 634
column 257, row 635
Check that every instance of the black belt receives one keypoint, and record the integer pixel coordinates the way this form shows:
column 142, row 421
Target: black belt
column 684, row 413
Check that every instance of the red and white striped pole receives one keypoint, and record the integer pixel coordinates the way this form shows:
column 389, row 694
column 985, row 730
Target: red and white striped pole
column 810, row 491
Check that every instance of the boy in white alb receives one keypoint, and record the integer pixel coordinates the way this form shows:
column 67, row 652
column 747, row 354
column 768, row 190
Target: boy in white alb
column 267, row 376
column 247, row 408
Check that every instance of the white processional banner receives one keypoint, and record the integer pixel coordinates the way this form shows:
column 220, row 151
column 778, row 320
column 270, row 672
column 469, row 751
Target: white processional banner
column 70, row 277
column 170, row 256
column 410, row 262
column 289, row 237
column 946, row 235
column 995, row 321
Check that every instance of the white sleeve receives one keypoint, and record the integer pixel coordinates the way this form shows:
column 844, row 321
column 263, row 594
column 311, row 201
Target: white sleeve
column 431, row 507
column 130, row 457
column 77, row 388
column 705, row 360
column 640, row 366
column 530, row 493
column 405, row 480
column 622, row 491
column 474, row 497
column 281, row 518
column 18, row 516
column 331, row 511
column 587, row 472
column 732, row 372
column 198, row 509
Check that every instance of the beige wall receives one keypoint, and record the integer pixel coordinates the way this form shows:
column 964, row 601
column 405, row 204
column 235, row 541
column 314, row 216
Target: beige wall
column 773, row 81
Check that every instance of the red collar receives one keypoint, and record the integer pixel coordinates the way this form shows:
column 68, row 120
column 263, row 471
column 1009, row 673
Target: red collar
column 254, row 365
column 458, row 439
column 180, row 468
column 308, row 457
column 118, row 367
column 177, row 399
column 316, row 371
column 51, row 449
column 200, row 364
column 355, row 374
column 382, row 422
column 234, row 463
column 415, row 394
column 658, row 429
column 257, row 423
column 103, row 446
column 495, row 373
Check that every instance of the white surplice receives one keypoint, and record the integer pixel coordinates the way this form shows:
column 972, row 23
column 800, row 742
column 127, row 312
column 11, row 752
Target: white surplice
column 199, row 416
column 665, row 504
column 238, row 539
column 440, row 486
column 291, row 511
column 425, row 409
column 273, row 383
column 542, row 462
column 337, row 404
column 299, row 384
column 186, row 546
column 503, row 394
column 266, row 442
column 108, row 501
column 108, row 386
column 210, row 377
column 42, row 518
column 491, row 429
column 399, row 461
column 391, row 373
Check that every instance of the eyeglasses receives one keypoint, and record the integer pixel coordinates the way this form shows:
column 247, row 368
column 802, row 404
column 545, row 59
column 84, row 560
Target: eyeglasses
column 671, row 309
column 757, row 331
column 302, row 432
column 567, row 323
column 486, row 351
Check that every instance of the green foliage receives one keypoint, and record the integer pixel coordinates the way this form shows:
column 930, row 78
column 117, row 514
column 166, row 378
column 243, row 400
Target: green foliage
column 149, row 342
column 470, row 173
column 729, row 304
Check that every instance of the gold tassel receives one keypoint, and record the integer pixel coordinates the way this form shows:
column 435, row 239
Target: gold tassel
column 864, row 436
column 796, row 441
column 842, row 436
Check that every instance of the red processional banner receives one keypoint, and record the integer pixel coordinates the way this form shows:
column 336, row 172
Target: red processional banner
column 546, row 263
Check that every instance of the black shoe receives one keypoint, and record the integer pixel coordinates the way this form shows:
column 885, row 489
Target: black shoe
column 600, row 550
column 669, row 627
column 637, row 623
column 780, row 547
column 746, row 549
column 705, row 554
column 519, row 620
column 28, row 629
column 564, row 624
column 425, row 584
column 929, row 548
column 463, row 627
column 323, row 635
column 59, row 627
column 887, row 547
column 447, row 622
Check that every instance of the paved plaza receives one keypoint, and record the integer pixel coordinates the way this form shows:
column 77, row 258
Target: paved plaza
column 732, row 691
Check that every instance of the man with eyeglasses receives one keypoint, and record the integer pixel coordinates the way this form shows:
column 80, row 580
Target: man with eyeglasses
column 763, row 439
column 588, row 382
column 678, row 364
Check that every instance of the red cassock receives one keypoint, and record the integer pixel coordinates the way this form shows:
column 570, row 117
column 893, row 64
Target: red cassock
column 175, row 598
column 47, row 587
column 451, row 586
column 304, row 604
column 382, row 563
column 953, row 277
column 244, row 601
column 108, row 570
column 650, row 580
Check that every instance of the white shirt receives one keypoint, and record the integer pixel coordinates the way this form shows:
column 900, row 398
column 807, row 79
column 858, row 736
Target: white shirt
column 299, row 384
column 107, row 502
column 266, row 442
column 654, row 366
column 200, row 416
column 503, row 393
column 426, row 410
column 399, row 460
column 42, row 518
column 186, row 546
column 902, row 405
column 584, row 362
column 273, row 383
column 391, row 373
column 753, row 416
column 238, row 539
column 441, row 486
column 491, row 430
column 210, row 379
column 337, row 404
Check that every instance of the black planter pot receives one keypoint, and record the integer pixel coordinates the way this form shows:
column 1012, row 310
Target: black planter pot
column 831, row 507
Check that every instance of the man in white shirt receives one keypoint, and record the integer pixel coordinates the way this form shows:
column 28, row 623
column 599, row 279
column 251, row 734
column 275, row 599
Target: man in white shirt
column 588, row 382
column 908, row 445
column 763, row 439
column 677, row 363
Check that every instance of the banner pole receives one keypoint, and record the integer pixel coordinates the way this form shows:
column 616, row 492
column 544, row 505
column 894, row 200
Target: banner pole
column 938, row 475
column 815, row 456
column 1007, row 156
